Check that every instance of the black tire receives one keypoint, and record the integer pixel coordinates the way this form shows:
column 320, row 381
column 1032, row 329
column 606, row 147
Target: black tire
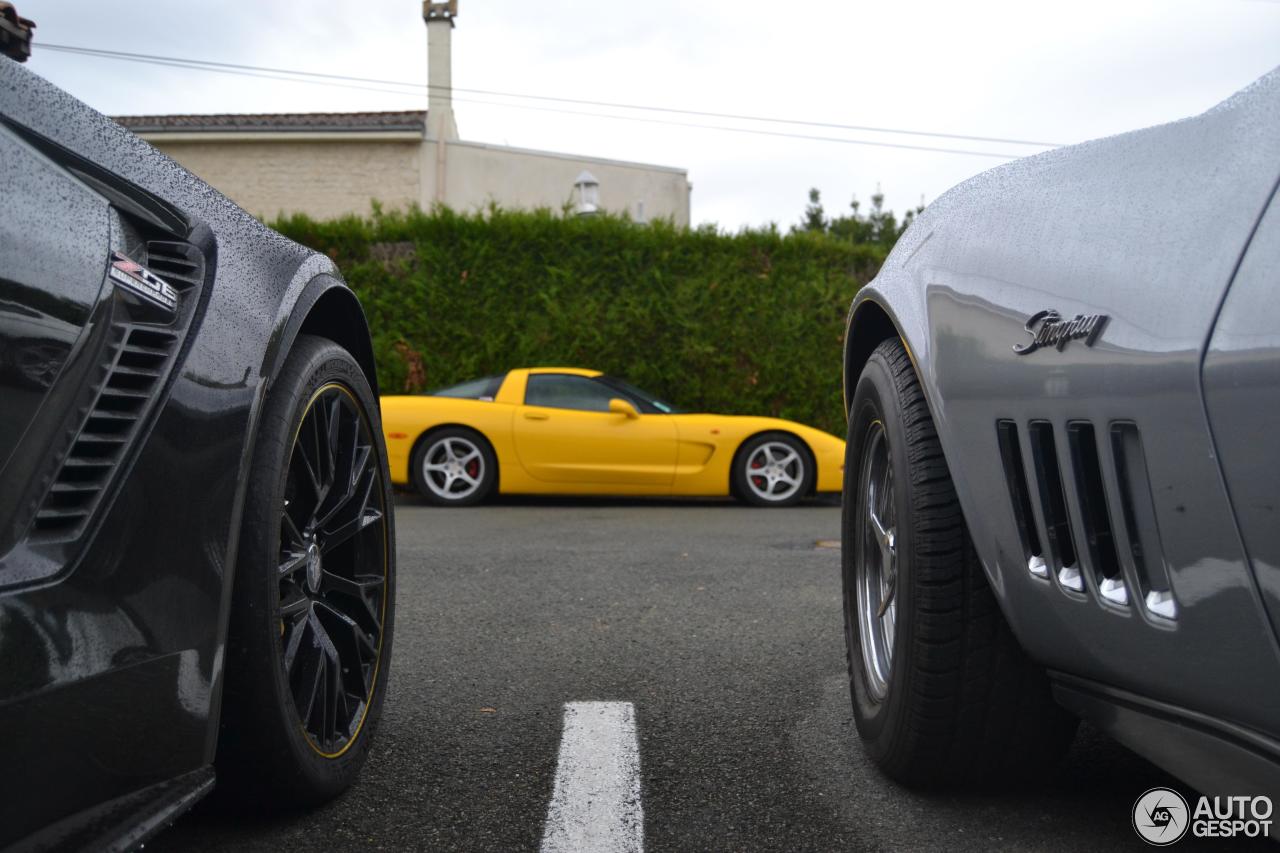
column 270, row 754
column 961, row 702
column 743, row 475
column 442, row 490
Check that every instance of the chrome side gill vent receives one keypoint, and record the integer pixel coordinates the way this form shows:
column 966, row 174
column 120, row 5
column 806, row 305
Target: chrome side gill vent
column 1098, row 540
column 1060, row 548
column 1139, row 514
column 1016, row 477
column 1053, row 505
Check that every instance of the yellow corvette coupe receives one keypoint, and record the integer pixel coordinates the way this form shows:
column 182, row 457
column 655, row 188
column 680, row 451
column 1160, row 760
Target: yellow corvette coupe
column 567, row 431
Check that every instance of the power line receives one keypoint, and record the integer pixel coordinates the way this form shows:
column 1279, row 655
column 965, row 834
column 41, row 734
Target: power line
column 195, row 66
column 228, row 66
column 750, row 130
column 191, row 65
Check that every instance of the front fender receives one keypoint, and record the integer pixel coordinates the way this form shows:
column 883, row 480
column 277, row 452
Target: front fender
column 1096, row 230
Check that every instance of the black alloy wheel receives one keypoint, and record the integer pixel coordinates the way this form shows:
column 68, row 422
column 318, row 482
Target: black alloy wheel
column 313, row 602
column 332, row 568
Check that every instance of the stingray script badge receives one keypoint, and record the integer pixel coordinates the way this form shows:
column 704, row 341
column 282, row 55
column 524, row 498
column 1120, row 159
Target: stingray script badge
column 1048, row 329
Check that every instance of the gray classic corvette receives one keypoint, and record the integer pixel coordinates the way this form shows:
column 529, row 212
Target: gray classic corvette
column 1062, row 487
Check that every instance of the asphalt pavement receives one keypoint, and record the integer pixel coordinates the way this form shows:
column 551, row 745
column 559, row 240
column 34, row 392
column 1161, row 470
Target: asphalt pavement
column 719, row 627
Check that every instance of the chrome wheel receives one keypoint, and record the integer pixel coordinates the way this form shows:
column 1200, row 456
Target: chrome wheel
column 775, row 471
column 877, row 561
column 332, row 570
column 453, row 468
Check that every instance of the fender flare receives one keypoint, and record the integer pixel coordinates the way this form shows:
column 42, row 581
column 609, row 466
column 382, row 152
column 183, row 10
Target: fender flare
column 326, row 307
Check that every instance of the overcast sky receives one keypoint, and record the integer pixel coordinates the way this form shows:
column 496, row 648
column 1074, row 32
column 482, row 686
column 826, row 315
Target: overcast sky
column 1057, row 72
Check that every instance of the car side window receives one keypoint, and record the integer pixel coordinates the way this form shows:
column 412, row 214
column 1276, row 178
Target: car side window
column 477, row 389
column 565, row 391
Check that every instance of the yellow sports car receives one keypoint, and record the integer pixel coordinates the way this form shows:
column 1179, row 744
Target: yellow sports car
column 567, row 431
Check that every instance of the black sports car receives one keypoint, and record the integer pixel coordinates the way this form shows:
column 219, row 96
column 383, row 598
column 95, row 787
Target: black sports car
column 197, row 560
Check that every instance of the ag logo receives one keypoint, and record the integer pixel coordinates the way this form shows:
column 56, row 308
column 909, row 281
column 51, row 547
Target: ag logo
column 1161, row 817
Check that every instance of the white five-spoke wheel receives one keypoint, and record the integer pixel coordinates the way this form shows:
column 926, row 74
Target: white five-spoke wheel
column 773, row 469
column 454, row 467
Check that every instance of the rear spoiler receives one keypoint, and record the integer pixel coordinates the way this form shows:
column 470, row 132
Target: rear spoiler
column 15, row 33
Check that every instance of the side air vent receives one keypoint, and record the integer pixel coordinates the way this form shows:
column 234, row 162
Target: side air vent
column 180, row 264
column 1053, row 504
column 135, row 361
column 1140, row 520
column 138, row 360
column 1098, row 542
column 1015, row 474
column 1052, row 543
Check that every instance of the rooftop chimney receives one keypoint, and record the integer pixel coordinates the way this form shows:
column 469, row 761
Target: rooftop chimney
column 15, row 33
column 439, row 18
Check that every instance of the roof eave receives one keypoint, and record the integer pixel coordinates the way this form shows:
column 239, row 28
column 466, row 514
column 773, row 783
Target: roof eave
column 309, row 135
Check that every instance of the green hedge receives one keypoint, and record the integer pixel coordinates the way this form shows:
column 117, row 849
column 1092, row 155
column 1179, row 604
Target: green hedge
column 747, row 323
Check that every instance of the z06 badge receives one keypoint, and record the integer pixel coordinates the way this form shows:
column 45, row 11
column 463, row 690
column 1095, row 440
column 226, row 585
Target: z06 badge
column 136, row 278
column 1048, row 329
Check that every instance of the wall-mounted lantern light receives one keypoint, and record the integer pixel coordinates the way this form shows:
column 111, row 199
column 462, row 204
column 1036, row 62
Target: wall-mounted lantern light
column 588, row 190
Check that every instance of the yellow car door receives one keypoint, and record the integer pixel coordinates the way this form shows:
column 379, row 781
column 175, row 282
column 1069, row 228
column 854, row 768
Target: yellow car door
column 565, row 432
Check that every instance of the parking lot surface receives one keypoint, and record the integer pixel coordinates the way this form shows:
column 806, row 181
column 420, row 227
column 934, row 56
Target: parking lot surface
column 719, row 627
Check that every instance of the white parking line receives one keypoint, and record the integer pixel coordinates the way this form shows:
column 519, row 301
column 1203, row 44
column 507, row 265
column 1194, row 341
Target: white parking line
column 596, row 802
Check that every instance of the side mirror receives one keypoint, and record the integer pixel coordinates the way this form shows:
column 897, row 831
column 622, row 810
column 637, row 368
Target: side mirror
column 622, row 407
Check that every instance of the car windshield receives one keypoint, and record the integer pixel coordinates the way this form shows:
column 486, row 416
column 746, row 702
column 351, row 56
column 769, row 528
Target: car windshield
column 648, row 403
column 474, row 389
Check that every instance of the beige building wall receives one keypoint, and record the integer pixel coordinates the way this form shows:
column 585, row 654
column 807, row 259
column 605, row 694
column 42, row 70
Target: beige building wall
column 329, row 175
column 477, row 174
column 323, row 178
